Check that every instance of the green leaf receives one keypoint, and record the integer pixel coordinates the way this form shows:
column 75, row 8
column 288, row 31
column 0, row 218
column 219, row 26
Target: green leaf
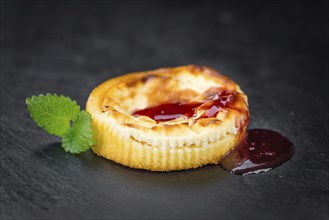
column 79, row 137
column 53, row 112
column 61, row 116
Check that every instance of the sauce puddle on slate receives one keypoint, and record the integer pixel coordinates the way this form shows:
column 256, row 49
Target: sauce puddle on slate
column 261, row 150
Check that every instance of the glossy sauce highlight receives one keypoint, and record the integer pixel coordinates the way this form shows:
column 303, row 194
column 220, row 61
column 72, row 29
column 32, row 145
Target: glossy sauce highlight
column 261, row 150
column 171, row 111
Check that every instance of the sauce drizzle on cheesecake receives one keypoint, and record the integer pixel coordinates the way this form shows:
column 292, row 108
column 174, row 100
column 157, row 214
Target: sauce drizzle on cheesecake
column 261, row 150
column 215, row 101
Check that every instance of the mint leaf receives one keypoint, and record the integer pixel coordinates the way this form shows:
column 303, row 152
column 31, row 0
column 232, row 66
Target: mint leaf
column 79, row 137
column 53, row 112
column 61, row 116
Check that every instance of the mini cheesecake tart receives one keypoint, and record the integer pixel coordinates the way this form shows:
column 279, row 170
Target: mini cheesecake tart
column 168, row 119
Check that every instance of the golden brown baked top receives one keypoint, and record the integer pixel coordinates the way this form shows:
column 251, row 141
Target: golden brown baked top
column 118, row 99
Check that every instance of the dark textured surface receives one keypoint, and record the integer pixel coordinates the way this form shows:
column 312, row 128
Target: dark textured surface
column 277, row 51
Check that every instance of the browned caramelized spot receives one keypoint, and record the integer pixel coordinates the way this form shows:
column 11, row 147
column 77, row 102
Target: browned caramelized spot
column 105, row 108
column 151, row 76
column 177, row 147
column 132, row 83
column 206, row 123
column 130, row 125
column 167, row 90
column 141, row 142
column 203, row 69
column 215, row 101
column 143, row 80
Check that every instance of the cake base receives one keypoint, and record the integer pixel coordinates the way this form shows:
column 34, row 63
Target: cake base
column 131, row 153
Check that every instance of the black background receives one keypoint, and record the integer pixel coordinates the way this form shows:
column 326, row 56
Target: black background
column 276, row 50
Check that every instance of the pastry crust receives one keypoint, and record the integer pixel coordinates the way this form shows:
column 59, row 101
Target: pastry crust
column 181, row 143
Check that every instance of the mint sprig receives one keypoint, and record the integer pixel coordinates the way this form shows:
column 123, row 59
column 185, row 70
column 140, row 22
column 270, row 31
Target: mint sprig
column 61, row 116
column 79, row 137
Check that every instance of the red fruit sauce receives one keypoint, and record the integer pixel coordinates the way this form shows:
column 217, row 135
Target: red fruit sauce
column 261, row 150
column 170, row 111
